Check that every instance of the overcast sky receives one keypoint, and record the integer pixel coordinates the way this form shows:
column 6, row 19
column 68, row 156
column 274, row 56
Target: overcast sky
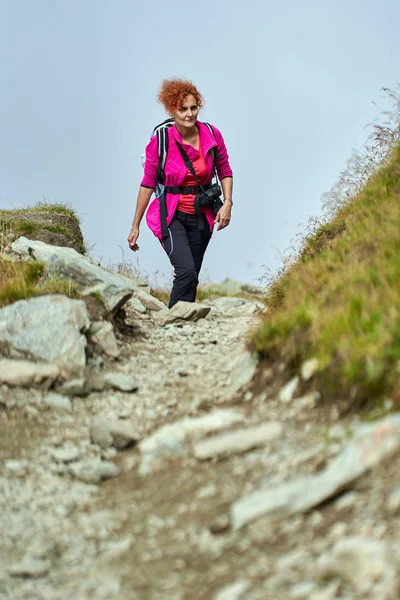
column 291, row 84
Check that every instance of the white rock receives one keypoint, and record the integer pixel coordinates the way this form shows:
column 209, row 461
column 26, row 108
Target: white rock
column 80, row 386
column 29, row 567
column 169, row 439
column 108, row 432
column 136, row 305
column 239, row 440
column 102, row 334
column 287, row 392
column 308, row 400
column 94, row 470
column 363, row 562
column 57, row 401
column 393, row 500
column 302, row 590
column 149, row 301
column 26, row 373
column 233, row 591
column 242, row 371
column 17, row 467
column 309, row 368
column 120, row 381
column 67, row 454
column 184, row 311
column 47, row 328
column 371, row 445
column 114, row 289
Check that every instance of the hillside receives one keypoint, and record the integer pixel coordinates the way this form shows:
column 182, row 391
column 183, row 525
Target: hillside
column 339, row 302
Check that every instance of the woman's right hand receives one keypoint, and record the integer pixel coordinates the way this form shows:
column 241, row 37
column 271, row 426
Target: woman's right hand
column 132, row 239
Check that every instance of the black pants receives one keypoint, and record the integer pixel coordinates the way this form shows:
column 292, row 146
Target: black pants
column 185, row 246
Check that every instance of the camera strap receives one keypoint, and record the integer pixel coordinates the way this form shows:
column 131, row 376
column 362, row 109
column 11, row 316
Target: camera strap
column 190, row 166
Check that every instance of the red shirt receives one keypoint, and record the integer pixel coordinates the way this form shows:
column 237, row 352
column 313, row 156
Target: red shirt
column 186, row 201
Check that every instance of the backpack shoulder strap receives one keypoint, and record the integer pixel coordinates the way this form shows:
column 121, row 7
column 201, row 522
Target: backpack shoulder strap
column 214, row 151
column 161, row 131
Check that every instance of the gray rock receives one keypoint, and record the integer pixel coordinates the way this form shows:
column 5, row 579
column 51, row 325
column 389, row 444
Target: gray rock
column 149, row 301
column 67, row 454
column 57, row 401
column 287, row 392
column 367, row 564
column 169, row 440
column 233, row 591
column 75, row 387
column 242, row 372
column 136, row 305
column 309, row 368
column 102, row 335
column 111, row 432
column 393, row 500
column 302, row 590
column 114, row 289
column 18, row 468
column 46, row 328
column 372, row 444
column 28, row 374
column 239, row 440
column 94, row 470
column 30, row 567
column 120, row 381
column 184, row 311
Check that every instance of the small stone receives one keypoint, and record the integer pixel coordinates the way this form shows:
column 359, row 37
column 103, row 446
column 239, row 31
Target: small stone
column 348, row 500
column 239, row 440
column 75, row 387
column 58, row 402
column 393, row 501
column 309, row 368
column 17, row 467
column 233, row 591
column 67, row 454
column 287, row 392
column 26, row 373
column 102, row 335
column 94, row 470
column 120, row 381
column 309, row 400
column 111, row 432
column 30, row 567
column 302, row 590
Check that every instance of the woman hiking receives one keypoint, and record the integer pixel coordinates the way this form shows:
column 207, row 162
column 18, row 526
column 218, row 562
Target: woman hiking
column 187, row 205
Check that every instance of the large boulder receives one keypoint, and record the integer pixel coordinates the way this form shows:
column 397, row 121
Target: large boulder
column 46, row 329
column 90, row 277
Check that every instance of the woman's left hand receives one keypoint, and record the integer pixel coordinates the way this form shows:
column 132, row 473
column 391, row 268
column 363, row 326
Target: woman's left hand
column 223, row 217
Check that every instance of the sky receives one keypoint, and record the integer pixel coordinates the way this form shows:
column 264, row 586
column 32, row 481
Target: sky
column 291, row 84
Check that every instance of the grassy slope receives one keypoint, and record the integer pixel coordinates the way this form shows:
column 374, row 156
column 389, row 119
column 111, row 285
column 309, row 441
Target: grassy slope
column 21, row 280
column 340, row 301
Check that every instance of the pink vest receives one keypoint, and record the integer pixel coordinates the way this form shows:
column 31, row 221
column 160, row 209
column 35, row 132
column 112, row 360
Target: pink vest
column 175, row 170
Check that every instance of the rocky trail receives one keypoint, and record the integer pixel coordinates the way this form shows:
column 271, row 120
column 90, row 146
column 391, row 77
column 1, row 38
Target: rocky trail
column 178, row 476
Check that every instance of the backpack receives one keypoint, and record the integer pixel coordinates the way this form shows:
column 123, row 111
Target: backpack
column 161, row 131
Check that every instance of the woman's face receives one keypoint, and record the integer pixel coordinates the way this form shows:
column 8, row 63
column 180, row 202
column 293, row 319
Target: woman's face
column 186, row 115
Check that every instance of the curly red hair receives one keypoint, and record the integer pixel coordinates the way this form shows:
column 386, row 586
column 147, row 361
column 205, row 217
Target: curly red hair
column 173, row 92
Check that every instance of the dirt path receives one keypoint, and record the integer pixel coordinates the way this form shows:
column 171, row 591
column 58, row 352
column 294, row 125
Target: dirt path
column 167, row 534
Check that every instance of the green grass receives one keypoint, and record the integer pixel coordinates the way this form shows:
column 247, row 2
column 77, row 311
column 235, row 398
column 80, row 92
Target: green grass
column 44, row 206
column 340, row 300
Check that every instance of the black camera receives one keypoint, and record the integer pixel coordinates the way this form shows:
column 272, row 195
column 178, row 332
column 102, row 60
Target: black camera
column 210, row 197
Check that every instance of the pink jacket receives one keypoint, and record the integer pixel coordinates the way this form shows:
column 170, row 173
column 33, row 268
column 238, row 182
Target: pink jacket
column 175, row 170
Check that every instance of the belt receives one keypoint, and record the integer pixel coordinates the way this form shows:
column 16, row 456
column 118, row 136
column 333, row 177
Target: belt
column 186, row 189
